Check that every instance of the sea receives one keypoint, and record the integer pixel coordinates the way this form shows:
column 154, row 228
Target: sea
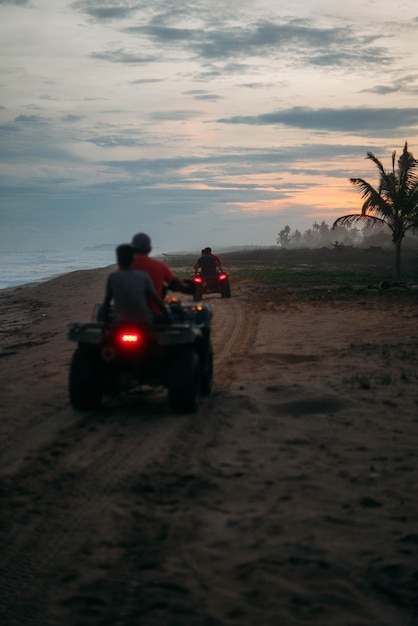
column 20, row 268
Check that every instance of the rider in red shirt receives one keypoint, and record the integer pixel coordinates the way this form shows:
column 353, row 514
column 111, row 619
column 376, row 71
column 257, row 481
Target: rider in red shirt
column 160, row 274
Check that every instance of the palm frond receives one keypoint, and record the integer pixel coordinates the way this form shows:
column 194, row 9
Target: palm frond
column 393, row 160
column 374, row 201
column 406, row 161
column 366, row 189
column 357, row 218
column 376, row 161
column 407, row 176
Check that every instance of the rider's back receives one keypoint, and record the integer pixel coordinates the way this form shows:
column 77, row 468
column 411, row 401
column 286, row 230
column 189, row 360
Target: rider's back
column 159, row 272
column 207, row 264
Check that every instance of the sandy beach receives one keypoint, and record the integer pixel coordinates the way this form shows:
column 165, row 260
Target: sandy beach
column 289, row 498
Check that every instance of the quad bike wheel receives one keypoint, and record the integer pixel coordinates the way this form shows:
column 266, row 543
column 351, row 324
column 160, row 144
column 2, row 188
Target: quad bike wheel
column 207, row 374
column 184, row 384
column 198, row 294
column 85, row 380
column 225, row 289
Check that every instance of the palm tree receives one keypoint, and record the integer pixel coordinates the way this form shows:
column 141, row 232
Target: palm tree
column 394, row 203
column 283, row 237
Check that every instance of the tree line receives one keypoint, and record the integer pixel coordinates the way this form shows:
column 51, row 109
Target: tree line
column 320, row 234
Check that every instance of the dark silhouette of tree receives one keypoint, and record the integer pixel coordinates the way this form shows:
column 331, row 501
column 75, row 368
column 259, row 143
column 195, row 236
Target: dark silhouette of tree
column 324, row 231
column 283, row 238
column 394, row 202
column 296, row 238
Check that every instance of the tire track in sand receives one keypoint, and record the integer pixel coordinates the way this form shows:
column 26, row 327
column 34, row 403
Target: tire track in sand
column 234, row 319
column 234, row 331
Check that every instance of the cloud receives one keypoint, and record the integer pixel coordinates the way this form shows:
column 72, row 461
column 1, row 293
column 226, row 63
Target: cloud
column 214, row 169
column 115, row 141
column 30, row 119
column 105, row 10
column 146, row 81
column 354, row 120
column 211, row 71
column 119, row 55
column 349, row 57
column 72, row 118
column 331, row 46
column 178, row 115
column 38, row 146
column 405, row 84
column 202, row 94
column 18, row 3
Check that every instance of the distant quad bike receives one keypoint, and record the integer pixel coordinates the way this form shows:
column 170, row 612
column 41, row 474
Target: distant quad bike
column 214, row 283
column 111, row 357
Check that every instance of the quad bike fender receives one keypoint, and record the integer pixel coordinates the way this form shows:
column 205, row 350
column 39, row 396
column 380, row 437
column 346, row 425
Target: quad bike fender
column 177, row 334
column 86, row 332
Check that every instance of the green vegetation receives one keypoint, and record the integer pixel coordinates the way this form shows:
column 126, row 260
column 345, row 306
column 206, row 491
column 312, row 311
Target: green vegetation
column 313, row 284
column 180, row 260
column 312, row 276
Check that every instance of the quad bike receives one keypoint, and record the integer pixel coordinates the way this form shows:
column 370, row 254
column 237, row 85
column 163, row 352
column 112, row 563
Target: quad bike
column 212, row 283
column 111, row 357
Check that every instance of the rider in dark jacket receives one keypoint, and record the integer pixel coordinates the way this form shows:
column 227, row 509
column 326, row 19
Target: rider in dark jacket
column 217, row 259
column 206, row 264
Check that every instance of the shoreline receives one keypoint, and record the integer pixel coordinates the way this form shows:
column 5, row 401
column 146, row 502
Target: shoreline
column 42, row 281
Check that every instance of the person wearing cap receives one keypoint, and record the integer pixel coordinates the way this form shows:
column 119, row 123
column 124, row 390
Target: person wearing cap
column 160, row 274
column 132, row 293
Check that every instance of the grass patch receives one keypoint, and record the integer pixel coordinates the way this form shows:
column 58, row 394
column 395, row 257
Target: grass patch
column 322, row 284
column 309, row 276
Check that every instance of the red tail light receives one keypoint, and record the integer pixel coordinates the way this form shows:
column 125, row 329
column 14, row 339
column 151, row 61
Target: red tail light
column 223, row 276
column 129, row 338
column 197, row 279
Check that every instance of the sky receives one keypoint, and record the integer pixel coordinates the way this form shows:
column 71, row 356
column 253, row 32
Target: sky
column 199, row 122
